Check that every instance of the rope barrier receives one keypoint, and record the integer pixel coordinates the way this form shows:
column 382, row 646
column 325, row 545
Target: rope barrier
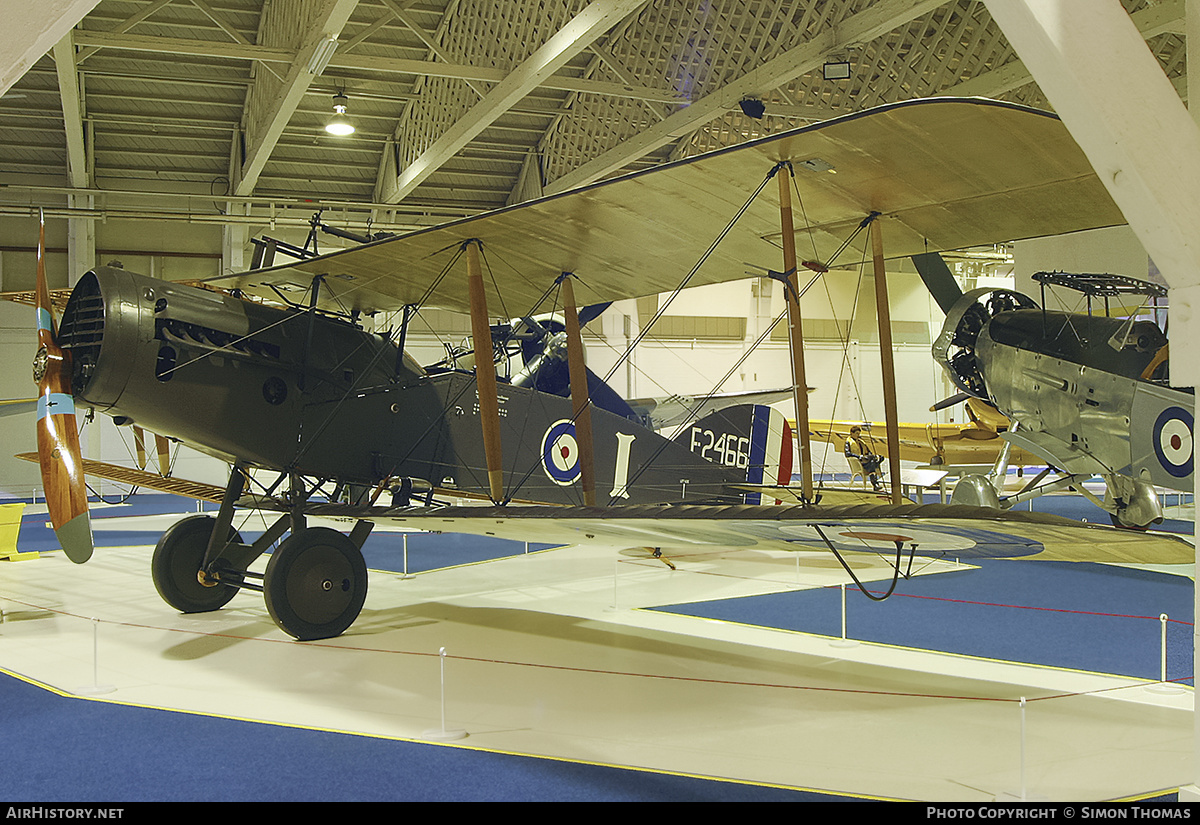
column 1135, row 681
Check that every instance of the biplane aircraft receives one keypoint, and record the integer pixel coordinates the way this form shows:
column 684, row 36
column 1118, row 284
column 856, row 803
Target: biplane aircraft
column 979, row 440
column 1088, row 393
column 272, row 371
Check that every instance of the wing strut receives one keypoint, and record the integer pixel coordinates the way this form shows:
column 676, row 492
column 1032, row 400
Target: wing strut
column 485, row 373
column 581, row 410
column 795, row 331
column 884, row 317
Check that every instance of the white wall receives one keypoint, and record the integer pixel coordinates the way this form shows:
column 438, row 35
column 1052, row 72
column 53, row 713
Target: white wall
column 1115, row 251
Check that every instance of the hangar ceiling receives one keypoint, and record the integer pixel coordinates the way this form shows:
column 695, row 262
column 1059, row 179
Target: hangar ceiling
column 208, row 110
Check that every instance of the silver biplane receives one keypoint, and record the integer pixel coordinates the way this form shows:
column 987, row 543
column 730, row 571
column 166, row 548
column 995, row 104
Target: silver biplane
column 1088, row 393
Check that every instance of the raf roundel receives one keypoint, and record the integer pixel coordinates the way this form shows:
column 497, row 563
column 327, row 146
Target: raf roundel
column 1173, row 441
column 560, row 453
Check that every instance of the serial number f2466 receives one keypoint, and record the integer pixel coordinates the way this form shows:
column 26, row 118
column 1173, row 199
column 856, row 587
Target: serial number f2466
column 721, row 448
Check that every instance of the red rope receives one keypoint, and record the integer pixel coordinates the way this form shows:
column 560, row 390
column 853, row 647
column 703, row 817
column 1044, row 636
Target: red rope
column 1048, row 609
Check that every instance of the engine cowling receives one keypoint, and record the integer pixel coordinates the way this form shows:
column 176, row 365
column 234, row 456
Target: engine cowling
column 230, row 377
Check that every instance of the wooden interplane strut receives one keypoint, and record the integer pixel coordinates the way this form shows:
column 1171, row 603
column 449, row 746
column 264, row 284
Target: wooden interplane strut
column 485, row 373
column 581, row 410
column 795, row 328
column 884, row 317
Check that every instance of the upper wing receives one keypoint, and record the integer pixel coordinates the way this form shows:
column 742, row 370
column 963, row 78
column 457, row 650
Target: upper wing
column 945, row 173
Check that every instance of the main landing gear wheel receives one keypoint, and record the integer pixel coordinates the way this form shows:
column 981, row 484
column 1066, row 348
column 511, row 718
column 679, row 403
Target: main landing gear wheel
column 315, row 584
column 1117, row 521
column 175, row 567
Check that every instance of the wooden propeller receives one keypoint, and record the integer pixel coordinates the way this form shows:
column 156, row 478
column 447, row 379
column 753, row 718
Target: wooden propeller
column 57, row 430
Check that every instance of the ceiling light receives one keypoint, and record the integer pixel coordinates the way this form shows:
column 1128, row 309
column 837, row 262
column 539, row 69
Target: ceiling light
column 339, row 124
column 752, row 107
column 321, row 55
column 836, row 70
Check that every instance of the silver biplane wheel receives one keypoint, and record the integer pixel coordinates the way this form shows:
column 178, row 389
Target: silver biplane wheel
column 975, row 491
column 315, row 584
column 175, row 566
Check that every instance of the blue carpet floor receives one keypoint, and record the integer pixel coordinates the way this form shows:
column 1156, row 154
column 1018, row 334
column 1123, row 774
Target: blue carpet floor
column 1073, row 615
column 128, row 754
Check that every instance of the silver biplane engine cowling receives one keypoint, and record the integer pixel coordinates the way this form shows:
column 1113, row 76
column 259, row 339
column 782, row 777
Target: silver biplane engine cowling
column 957, row 347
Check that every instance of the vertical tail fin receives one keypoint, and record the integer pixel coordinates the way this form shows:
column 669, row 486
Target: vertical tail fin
column 750, row 437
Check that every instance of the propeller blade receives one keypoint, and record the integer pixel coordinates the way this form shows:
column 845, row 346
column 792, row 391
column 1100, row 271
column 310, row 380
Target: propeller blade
column 57, row 431
column 939, row 280
column 951, row 401
column 591, row 313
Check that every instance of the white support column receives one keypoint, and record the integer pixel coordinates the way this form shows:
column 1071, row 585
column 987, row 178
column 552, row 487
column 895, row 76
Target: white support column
column 1092, row 64
column 81, row 239
column 1191, row 24
column 31, row 30
column 234, row 238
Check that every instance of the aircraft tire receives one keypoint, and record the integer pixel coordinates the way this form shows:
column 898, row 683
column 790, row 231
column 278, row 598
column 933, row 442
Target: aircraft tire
column 176, row 563
column 315, row 584
column 1118, row 521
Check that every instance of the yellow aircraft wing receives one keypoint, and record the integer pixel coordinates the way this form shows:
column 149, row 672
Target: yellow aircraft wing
column 952, row 443
column 944, row 173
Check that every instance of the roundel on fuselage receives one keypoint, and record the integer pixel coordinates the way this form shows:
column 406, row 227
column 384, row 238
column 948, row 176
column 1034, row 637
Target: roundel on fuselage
column 1172, row 439
column 560, row 453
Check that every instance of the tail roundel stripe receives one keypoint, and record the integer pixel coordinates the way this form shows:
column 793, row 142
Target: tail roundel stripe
column 759, row 445
column 770, row 451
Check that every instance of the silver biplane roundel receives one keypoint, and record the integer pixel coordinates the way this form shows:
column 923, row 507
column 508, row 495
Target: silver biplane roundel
column 560, row 453
column 1172, row 438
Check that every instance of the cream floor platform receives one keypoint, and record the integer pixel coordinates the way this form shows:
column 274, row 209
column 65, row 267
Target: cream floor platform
column 553, row 654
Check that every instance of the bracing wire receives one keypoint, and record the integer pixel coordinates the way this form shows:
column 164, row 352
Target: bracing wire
column 691, row 273
column 662, row 310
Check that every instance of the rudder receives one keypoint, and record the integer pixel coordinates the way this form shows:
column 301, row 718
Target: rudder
column 750, row 437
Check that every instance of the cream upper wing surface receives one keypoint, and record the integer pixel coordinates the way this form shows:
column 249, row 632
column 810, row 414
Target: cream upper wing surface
column 943, row 173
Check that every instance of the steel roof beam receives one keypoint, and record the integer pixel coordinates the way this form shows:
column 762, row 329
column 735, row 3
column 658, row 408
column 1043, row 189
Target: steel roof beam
column 365, row 63
column 875, row 21
column 281, row 101
column 72, row 109
column 593, row 22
